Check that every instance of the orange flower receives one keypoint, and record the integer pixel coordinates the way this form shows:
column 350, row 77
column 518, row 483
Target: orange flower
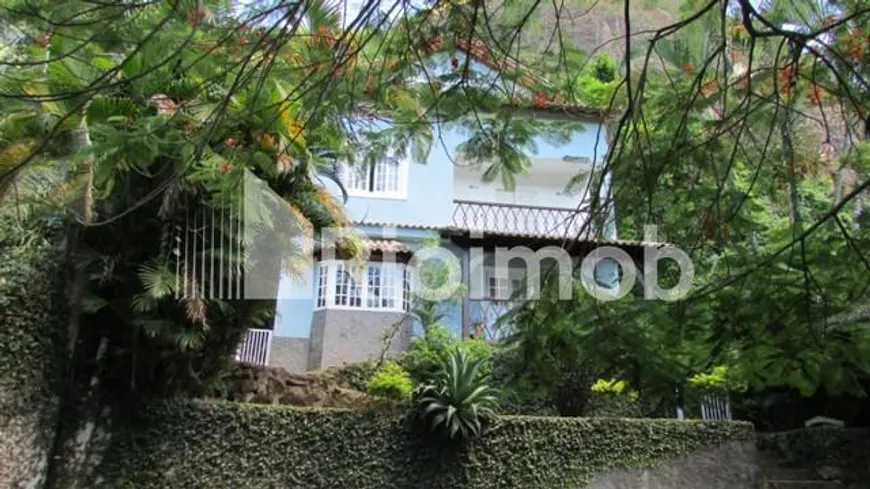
column 816, row 94
column 225, row 168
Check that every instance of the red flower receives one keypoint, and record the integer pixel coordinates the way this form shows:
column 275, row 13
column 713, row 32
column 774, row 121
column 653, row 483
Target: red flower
column 541, row 99
column 688, row 68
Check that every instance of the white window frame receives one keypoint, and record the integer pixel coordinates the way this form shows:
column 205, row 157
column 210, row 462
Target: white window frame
column 501, row 288
column 360, row 182
column 374, row 286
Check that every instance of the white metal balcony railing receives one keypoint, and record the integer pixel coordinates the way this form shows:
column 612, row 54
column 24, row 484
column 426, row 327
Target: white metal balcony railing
column 255, row 347
column 522, row 220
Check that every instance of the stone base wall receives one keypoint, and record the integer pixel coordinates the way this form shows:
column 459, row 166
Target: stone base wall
column 340, row 336
column 730, row 466
column 291, row 354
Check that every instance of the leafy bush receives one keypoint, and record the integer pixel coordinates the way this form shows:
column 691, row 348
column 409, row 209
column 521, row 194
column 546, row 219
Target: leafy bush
column 613, row 387
column 459, row 402
column 391, row 381
column 605, row 69
column 355, row 375
column 429, row 352
column 612, row 397
column 720, row 378
column 518, row 396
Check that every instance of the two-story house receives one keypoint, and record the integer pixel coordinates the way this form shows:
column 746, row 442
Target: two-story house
column 339, row 310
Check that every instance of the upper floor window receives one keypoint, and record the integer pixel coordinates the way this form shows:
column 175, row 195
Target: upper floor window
column 504, row 288
column 387, row 177
column 376, row 285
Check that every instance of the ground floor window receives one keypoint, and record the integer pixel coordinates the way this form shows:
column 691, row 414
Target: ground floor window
column 374, row 285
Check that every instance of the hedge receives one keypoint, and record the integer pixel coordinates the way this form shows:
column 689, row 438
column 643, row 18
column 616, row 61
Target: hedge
column 31, row 351
column 31, row 328
column 217, row 445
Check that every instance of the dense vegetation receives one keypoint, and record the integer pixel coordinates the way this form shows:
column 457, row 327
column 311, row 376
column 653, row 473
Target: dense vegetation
column 223, row 445
column 738, row 130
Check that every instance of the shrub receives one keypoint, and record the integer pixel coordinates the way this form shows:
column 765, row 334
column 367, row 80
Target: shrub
column 720, row 378
column 355, row 375
column 459, row 402
column 429, row 352
column 612, row 397
column 605, row 69
column 391, row 381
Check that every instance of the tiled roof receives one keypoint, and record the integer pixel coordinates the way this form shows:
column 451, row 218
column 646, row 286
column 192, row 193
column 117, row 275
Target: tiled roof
column 386, row 245
column 400, row 225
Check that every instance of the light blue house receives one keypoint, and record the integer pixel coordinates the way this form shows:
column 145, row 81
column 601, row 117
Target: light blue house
column 340, row 310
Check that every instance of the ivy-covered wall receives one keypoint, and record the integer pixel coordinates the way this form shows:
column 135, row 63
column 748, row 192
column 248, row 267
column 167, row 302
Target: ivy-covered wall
column 31, row 354
column 220, row 445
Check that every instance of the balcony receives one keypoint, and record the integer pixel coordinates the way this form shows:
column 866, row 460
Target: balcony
column 519, row 220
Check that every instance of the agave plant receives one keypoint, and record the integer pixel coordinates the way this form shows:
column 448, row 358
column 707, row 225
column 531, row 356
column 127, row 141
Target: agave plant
column 459, row 401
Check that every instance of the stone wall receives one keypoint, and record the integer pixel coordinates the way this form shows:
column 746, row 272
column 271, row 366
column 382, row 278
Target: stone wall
column 291, row 354
column 730, row 466
column 341, row 336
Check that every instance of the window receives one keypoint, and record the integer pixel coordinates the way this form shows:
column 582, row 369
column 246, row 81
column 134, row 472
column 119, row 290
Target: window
column 347, row 291
column 386, row 178
column 504, row 288
column 406, row 289
column 380, row 289
column 498, row 287
column 321, row 285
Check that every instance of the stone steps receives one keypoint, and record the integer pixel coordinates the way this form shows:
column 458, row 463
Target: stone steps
column 775, row 475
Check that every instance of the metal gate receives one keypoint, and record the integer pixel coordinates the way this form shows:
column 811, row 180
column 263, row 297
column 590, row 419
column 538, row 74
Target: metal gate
column 255, row 347
column 715, row 407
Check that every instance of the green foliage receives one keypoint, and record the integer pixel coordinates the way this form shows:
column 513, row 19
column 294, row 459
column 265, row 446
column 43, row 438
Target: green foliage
column 31, row 317
column 605, row 69
column 611, row 397
column 217, row 445
column 720, row 378
column 355, row 375
column 391, row 381
column 459, row 403
column 429, row 352
column 32, row 346
column 609, row 386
